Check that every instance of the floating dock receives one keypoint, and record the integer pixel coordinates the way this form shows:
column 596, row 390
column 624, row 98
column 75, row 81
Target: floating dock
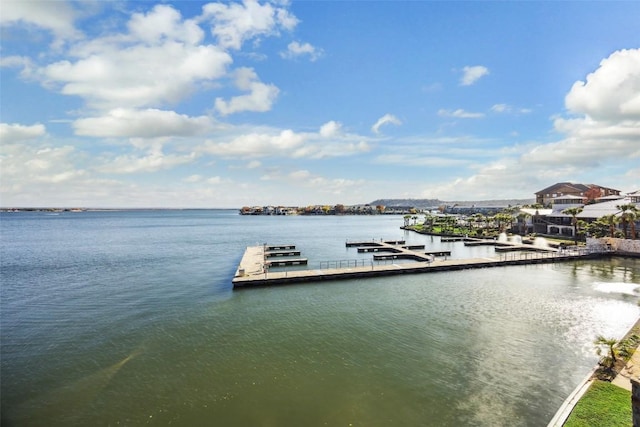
column 254, row 267
column 283, row 253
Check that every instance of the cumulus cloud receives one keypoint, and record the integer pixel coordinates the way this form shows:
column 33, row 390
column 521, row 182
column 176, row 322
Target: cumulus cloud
column 139, row 75
column 608, row 122
column 16, row 132
column 330, row 129
column 159, row 59
column 234, row 23
column 470, row 75
column 612, row 92
column 460, row 114
column 55, row 16
column 296, row 49
column 384, row 120
column 164, row 23
column 261, row 96
column 329, row 141
column 148, row 123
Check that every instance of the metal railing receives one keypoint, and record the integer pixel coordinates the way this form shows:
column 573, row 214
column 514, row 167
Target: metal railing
column 569, row 251
column 345, row 263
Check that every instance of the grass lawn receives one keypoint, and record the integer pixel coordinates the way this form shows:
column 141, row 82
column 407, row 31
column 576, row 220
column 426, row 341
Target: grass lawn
column 603, row 405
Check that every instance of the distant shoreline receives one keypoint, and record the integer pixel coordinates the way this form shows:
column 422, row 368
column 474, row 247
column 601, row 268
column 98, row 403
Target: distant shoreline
column 75, row 210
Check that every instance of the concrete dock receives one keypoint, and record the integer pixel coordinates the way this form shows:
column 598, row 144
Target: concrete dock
column 253, row 269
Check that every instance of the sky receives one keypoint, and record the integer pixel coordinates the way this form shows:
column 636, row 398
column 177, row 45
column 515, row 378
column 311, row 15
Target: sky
column 189, row 104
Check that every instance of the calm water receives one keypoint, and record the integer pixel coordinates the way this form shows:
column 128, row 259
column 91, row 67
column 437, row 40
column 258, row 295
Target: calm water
column 129, row 318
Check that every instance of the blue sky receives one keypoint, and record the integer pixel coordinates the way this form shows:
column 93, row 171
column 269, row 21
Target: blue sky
column 196, row 104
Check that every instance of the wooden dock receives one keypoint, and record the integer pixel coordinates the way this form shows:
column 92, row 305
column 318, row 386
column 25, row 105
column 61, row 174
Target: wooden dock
column 253, row 270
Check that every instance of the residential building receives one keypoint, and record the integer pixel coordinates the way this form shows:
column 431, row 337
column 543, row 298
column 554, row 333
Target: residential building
column 588, row 191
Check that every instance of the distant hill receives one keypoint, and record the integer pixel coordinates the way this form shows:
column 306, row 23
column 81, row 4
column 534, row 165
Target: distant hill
column 434, row 203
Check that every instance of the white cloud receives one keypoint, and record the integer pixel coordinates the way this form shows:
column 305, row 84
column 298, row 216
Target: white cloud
column 609, row 129
column 260, row 98
column 500, row 179
column 588, row 144
column 150, row 123
column 330, row 129
column 139, row 75
column 460, row 114
column 15, row 132
column 235, row 23
column 329, row 141
column 164, row 23
column 384, row 120
column 156, row 160
column 612, row 92
column 256, row 145
column 56, row 16
column 254, row 164
column 321, row 149
column 508, row 109
column 501, row 108
column 158, row 59
column 296, row 49
column 15, row 61
column 31, row 170
column 472, row 74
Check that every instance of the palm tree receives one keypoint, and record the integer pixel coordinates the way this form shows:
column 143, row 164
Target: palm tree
column 522, row 219
column 509, row 218
column 634, row 215
column 501, row 218
column 611, row 345
column 610, row 358
column 574, row 221
column 611, row 221
column 428, row 221
column 629, row 215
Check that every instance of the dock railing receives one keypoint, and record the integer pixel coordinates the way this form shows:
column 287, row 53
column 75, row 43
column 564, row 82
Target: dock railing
column 569, row 251
column 344, row 263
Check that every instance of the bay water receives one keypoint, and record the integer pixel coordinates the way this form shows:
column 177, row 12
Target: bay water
column 129, row 318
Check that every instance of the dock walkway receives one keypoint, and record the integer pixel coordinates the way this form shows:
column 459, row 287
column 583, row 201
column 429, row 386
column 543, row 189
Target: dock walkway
column 253, row 269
